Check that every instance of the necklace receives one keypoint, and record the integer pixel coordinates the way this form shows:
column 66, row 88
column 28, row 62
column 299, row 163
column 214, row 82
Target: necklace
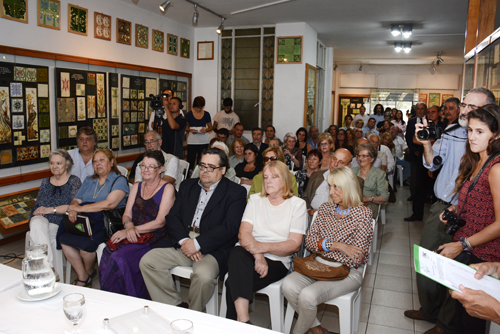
column 102, row 187
column 343, row 212
column 148, row 196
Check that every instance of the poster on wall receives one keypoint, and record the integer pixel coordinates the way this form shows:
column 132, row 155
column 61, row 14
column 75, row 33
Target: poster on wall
column 24, row 114
column 179, row 89
column 114, row 110
column 80, row 101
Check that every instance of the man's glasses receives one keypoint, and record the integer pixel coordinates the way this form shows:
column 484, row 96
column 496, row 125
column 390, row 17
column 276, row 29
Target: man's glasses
column 143, row 167
column 208, row 168
column 150, row 142
column 266, row 159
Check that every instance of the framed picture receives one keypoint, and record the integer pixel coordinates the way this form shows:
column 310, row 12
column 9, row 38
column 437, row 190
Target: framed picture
column 289, row 50
column 185, row 48
column 49, row 12
column 173, row 44
column 434, row 99
column 102, row 26
column 123, row 32
column 158, row 40
column 141, row 36
column 18, row 10
column 422, row 98
column 446, row 97
column 205, row 50
column 77, row 19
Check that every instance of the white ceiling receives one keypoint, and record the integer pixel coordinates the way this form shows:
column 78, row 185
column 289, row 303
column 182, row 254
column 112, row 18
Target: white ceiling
column 358, row 30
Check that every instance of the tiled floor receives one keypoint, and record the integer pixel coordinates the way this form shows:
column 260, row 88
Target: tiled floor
column 389, row 286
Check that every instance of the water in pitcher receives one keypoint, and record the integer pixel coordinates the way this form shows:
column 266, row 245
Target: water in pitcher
column 39, row 279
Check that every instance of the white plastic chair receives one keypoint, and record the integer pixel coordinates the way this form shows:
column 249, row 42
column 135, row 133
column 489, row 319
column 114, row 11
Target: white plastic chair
column 237, row 180
column 185, row 272
column 183, row 173
column 59, row 259
column 400, row 174
column 123, row 170
column 349, row 306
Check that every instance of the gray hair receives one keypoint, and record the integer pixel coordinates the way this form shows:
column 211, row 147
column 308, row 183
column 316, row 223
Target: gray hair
column 372, row 151
column 222, row 146
column 425, row 104
column 490, row 97
column 453, row 100
column 371, row 134
column 88, row 131
column 289, row 135
column 63, row 153
column 155, row 133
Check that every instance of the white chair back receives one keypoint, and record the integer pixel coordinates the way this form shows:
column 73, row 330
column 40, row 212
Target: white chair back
column 123, row 170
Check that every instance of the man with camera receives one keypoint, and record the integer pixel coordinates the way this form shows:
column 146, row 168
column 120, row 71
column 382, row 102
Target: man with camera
column 166, row 95
column 436, row 304
column 173, row 128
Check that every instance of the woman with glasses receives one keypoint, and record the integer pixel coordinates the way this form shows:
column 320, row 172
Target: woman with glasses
column 359, row 123
column 144, row 217
column 271, row 154
column 291, row 152
column 327, row 148
column 252, row 165
column 313, row 165
column 376, row 188
column 105, row 190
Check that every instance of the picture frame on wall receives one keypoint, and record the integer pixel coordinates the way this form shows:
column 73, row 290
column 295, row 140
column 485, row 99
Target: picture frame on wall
column 102, row 26
column 158, row 39
column 185, row 48
column 422, row 98
column 173, row 44
column 446, row 97
column 289, row 50
column 49, row 13
column 434, row 99
column 19, row 10
column 141, row 36
column 77, row 20
column 205, row 50
column 123, row 32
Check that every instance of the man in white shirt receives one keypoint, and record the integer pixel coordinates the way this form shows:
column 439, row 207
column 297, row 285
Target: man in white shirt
column 226, row 118
column 400, row 147
column 384, row 153
column 362, row 115
column 86, row 139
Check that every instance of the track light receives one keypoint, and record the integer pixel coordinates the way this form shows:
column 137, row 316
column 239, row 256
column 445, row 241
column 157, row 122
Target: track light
column 398, row 46
column 196, row 14
column 395, row 30
column 439, row 59
column 398, row 29
column 407, row 47
column 407, row 31
column 164, row 6
column 221, row 27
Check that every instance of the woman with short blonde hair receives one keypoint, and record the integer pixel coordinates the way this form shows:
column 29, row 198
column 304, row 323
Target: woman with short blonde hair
column 326, row 144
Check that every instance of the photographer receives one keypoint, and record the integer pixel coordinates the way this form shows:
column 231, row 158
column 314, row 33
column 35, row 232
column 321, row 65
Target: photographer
column 436, row 306
column 475, row 217
column 166, row 96
column 174, row 128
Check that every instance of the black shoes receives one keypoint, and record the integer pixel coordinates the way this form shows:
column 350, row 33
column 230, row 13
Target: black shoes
column 410, row 199
column 412, row 218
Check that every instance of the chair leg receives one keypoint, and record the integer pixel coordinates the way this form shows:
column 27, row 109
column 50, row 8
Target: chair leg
column 345, row 317
column 400, row 170
column 357, row 311
column 27, row 241
column 213, row 303
column 68, row 271
column 276, row 301
column 382, row 214
column 288, row 319
column 223, row 306
column 374, row 244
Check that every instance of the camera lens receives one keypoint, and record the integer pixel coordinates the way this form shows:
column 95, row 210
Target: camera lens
column 423, row 134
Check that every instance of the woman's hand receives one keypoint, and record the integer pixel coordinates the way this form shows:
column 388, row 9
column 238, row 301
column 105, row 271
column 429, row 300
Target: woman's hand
column 286, row 152
column 246, row 181
column 261, row 265
column 43, row 211
column 451, row 250
column 74, row 207
column 354, row 252
column 132, row 233
column 203, row 130
column 452, row 208
column 72, row 215
column 118, row 236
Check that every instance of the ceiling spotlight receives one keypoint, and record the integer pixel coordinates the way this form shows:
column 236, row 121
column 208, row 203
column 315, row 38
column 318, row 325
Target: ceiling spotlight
column 196, row 15
column 407, row 31
column 395, row 30
column 407, row 47
column 163, row 6
column 336, row 66
column 433, row 68
column 398, row 46
column 439, row 57
column 221, row 27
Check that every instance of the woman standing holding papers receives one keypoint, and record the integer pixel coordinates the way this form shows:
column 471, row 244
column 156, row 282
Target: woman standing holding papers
column 199, row 124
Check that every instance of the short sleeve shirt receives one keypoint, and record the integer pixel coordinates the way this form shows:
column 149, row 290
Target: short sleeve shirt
column 198, row 138
column 80, row 168
column 92, row 192
column 225, row 120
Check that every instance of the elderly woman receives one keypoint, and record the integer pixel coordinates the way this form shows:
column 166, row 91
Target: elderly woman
column 342, row 234
column 230, row 172
column 105, row 190
column 376, row 188
column 270, row 154
column 292, row 153
column 327, row 147
column 54, row 196
column 238, row 147
column 148, row 204
column 313, row 165
column 251, row 166
column 271, row 230
column 276, row 142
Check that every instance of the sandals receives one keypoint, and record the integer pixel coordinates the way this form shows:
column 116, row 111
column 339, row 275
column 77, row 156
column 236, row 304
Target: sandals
column 94, row 273
column 86, row 284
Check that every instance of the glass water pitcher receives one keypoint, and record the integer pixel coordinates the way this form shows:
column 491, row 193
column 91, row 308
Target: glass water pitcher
column 38, row 277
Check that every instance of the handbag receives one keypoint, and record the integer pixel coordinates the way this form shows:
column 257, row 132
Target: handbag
column 309, row 267
column 142, row 239
column 112, row 218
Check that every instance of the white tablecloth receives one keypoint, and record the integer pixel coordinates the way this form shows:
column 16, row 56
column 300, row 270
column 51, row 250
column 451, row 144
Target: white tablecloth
column 9, row 277
column 47, row 316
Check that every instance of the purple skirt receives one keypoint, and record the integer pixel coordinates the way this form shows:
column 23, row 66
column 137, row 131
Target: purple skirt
column 119, row 270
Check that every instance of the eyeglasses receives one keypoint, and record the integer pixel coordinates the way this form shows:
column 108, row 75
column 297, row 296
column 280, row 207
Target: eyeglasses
column 324, row 144
column 208, row 168
column 470, row 106
column 150, row 142
column 149, row 167
column 362, row 156
column 266, row 159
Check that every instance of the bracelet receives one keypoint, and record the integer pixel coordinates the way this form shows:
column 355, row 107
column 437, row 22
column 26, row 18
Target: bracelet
column 323, row 244
column 373, row 199
column 468, row 244
column 465, row 246
column 320, row 244
column 125, row 224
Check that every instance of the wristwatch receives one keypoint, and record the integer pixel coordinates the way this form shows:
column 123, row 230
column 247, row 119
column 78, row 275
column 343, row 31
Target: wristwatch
column 55, row 210
column 373, row 199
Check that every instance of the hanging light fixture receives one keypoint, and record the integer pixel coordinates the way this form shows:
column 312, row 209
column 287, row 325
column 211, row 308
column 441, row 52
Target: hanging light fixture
column 395, row 30
column 398, row 46
column 407, row 28
column 221, row 27
column 164, row 6
column 196, row 15
column 407, row 47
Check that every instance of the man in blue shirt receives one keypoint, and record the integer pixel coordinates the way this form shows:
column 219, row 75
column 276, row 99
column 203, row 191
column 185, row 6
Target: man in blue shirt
column 450, row 148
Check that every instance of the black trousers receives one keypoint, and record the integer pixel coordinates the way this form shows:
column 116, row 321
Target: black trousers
column 243, row 280
column 192, row 152
column 419, row 181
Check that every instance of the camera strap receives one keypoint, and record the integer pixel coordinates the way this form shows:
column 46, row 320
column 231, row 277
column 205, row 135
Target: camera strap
column 490, row 159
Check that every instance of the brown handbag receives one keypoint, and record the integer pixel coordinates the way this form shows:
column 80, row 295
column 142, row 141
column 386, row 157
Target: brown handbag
column 309, row 267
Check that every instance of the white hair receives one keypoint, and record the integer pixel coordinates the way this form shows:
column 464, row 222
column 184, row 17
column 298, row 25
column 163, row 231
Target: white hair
column 222, row 146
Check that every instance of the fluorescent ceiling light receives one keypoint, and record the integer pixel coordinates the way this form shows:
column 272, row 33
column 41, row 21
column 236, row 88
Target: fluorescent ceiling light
column 260, row 6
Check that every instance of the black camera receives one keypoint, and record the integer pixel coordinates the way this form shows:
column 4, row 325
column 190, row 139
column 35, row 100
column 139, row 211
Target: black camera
column 432, row 131
column 157, row 106
column 453, row 223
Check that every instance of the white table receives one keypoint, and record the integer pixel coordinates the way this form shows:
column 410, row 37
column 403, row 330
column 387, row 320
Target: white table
column 9, row 277
column 47, row 316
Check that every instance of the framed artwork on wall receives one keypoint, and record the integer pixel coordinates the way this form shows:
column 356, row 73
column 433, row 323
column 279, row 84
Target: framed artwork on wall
column 102, row 26
column 158, row 40
column 123, row 32
column 446, row 97
column 173, row 44
column 77, row 19
column 434, row 99
column 289, row 50
column 141, row 36
column 16, row 10
column 49, row 12
column 185, row 48
column 205, row 50
column 422, row 98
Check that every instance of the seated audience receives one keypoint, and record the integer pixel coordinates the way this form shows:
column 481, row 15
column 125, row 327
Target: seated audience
column 332, row 130
column 292, row 153
column 327, row 147
column 230, row 172
column 52, row 201
column 370, row 127
column 302, row 141
column 359, row 123
column 351, row 135
column 86, row 140
column 313, row 137
column 347, row 122
column 238, row 147
column 342, row 141
column 148, row 204
column 251, row 166
column 271, row 230
column 237, row 133
column 276, row 142
column 257, row 139
column 202, row 228
column 384, row 154
column 341, row 235
column 400, row 148
column 270, row 133
column 222, row 134
column 354, row 163
column 105, row 190
column 313, row 165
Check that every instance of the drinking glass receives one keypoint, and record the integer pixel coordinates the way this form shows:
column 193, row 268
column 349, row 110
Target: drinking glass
column 181, row 326
column 74, row 309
